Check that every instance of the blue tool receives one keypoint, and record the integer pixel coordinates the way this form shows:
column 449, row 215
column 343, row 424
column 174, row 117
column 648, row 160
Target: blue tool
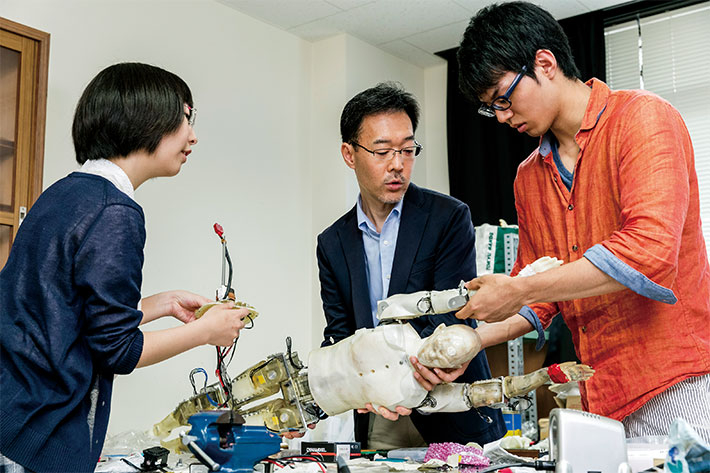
column 221, row 441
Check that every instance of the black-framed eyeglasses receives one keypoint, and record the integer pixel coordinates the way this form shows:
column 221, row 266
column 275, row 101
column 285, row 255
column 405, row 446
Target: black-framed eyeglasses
column 190, row 115
column 385, row 154
column 502, row 102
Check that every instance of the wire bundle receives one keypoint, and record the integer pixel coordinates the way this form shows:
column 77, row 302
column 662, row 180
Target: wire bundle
column 292, row 460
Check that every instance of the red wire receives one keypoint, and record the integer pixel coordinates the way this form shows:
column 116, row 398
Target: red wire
column 313, row 459
column 269, row 460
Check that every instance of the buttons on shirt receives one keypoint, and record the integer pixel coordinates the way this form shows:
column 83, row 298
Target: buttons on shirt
column 386, row 243
column 584, row 329
column 388, row 276
column 570, row 207
column 575, row 247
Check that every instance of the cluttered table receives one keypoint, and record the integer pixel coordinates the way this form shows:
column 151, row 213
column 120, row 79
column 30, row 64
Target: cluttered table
column 321, row 457
column 578, row 441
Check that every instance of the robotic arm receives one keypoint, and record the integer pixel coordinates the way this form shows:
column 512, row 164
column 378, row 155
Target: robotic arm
column 373, row 366
column 416, row 304
column 495, row 393
column 370, row 366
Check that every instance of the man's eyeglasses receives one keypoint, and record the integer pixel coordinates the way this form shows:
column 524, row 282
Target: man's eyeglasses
column 385, row 154
column 190, row 115
column 502, row 102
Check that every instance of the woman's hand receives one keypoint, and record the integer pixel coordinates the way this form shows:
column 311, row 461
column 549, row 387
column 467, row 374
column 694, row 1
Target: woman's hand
column 221, row 324
column 179, row 304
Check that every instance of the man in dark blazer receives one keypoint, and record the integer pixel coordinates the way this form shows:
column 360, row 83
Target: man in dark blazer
column 398, row 238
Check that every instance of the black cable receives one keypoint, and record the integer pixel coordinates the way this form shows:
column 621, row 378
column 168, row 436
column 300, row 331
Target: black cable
column 131, row 464
column 316, row 411
column 537, row 464
column 223, row 377
column 342, row 466
column 486, row 418
column 234, row 348
column 231, row 270
column 290, row 356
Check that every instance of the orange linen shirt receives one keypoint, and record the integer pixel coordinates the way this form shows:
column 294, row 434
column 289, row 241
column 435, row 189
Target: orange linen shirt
column 633, row 211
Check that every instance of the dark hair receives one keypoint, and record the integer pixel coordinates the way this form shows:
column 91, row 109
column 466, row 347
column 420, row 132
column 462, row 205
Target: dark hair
column 128, row 107
column 505, row 37
column 385, row 97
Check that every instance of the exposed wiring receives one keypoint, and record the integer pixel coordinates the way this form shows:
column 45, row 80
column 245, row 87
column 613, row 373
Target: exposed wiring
column 192, row 379
column 273, row 462
column 301, row 458
column 316, row 411
column 298, row 366
column 537, row 464
column 486, row 418
column 223, row 377
column 214, row 403
column 222, row 352
column 231, row 269
column 232, row 349
column 140, row 468
column 204, row 388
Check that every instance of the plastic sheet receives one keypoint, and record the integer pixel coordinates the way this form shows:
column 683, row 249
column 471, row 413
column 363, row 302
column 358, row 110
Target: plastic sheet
column 687, row 452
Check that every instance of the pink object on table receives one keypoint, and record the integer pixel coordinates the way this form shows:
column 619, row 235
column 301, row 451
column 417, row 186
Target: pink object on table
column 469, row 455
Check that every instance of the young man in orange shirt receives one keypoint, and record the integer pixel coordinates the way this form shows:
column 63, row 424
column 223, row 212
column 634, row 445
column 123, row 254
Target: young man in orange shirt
column 612, row 191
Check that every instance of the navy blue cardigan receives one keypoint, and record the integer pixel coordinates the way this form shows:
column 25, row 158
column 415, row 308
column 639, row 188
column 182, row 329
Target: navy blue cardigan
column 68, row 298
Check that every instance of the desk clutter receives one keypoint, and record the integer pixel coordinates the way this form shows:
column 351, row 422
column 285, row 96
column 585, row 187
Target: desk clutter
column 577, row 442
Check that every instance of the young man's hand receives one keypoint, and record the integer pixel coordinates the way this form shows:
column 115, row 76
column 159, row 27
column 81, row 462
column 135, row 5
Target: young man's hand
column 497, row 297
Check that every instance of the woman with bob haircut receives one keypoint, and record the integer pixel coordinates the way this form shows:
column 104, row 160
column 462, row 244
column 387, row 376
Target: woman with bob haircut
column 70, row 300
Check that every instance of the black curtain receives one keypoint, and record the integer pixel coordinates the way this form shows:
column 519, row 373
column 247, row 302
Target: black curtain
column 483, row 154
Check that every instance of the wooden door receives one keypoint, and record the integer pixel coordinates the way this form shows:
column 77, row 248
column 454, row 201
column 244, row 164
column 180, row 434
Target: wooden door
column 24, row 55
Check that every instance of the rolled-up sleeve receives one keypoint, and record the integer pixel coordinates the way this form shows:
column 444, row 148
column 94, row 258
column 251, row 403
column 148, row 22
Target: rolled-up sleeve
column 653, row 178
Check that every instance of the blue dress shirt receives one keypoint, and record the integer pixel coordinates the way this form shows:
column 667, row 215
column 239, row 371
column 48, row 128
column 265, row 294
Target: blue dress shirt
column 379, row 252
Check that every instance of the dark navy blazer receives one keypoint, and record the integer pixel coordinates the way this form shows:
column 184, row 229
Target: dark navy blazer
column 435, row 251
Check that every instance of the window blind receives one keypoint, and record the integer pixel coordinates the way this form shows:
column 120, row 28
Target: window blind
column 668, row 54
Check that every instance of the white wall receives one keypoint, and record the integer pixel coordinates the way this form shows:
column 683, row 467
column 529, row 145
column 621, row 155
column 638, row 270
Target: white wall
column 267, row 165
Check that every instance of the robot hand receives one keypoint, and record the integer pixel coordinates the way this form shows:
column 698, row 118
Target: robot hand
column 410, row 306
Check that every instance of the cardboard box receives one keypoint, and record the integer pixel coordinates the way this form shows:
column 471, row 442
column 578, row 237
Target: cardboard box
column 327, row 451
column 571, row 402
column 574, row 402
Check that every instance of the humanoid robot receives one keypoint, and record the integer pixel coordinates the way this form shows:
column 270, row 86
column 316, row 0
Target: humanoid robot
column 372, row 366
